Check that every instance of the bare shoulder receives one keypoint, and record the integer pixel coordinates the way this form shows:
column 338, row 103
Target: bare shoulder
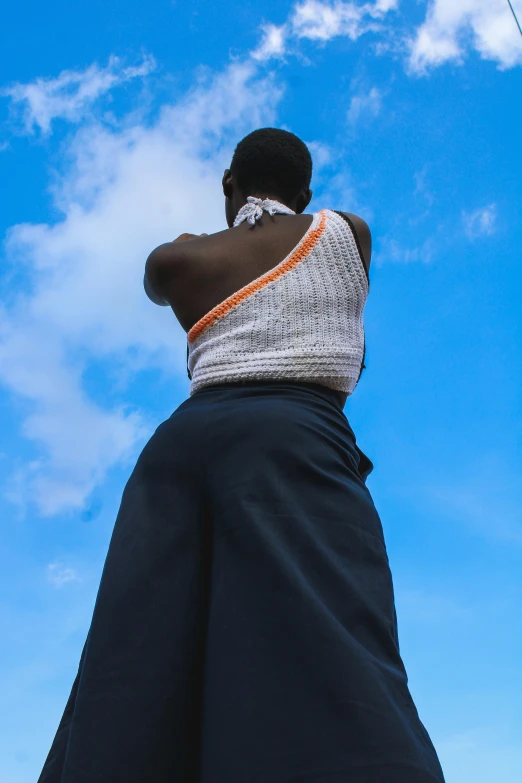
column 363, row 237
column 162, row 264
column 168, row 265
column 360, row 224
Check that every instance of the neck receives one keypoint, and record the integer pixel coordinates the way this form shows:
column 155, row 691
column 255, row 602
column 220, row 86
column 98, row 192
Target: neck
column 263, row 196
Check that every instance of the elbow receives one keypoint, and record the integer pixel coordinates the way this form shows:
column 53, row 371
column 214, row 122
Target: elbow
column 149, row 285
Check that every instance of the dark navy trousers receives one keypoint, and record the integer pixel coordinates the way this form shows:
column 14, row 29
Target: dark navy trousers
column 245, row 629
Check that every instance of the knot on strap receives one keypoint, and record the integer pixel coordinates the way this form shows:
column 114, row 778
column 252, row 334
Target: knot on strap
column 254, row 208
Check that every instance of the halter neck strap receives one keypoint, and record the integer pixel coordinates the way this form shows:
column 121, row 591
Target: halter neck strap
column 254, row 208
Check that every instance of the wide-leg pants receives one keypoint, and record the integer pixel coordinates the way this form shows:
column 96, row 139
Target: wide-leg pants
column 245, row 629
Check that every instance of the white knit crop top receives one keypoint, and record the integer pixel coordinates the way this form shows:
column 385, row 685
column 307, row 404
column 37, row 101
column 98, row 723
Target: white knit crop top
column 301, row 321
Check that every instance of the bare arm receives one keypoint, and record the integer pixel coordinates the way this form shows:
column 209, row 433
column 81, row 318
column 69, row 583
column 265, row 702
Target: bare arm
column 150, row 293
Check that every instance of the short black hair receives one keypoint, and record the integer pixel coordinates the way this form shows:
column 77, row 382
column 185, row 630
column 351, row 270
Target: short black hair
column 274, row 161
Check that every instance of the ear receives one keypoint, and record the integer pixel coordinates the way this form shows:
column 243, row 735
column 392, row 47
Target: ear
column 303, row 200
column 227, row 183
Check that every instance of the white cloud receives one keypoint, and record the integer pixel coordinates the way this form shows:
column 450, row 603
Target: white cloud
column 322, row 154
column 59, row 575
column 74, row 289
column 272, row 43
column 451, row 26
column 392, row 250
column 321, row 21
column 481, row 222
column 81, row 441
column 360, row 105
column 383, row 6
column 70, row 94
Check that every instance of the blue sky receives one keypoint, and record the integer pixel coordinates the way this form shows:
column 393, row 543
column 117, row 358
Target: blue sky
column 116, row 123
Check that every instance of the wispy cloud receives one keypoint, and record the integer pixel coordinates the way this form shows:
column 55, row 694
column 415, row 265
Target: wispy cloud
column 122, row 193
column 59, row 575
column 365, row 105
column 422, row 195
column 450, row 29
column 421, row 188
column 392, row 250
column 322, row 154
column 453, row 26
column 480, row 222
column 321, row 21
column 70, row 94
column 273, row 42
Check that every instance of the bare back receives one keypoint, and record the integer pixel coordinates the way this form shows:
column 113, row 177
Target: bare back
column 215, row 267
column 212, row 268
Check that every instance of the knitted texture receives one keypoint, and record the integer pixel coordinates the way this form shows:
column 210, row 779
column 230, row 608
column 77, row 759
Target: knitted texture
column 253, row 210
column 301, row 320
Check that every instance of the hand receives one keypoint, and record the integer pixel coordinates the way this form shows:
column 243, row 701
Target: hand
column 183, row 237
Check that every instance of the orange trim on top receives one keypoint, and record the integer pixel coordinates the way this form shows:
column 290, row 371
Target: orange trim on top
column 303, row 248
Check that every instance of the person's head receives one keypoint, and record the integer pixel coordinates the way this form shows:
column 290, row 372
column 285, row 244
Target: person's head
column 268, row 163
